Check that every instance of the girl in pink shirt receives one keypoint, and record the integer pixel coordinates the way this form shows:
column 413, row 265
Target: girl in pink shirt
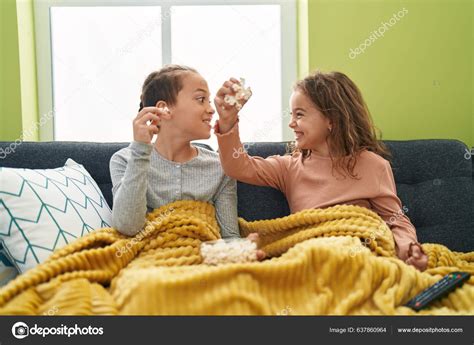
column 336, row 157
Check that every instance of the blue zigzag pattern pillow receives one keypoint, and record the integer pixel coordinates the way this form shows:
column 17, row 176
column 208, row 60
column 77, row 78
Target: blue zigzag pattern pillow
column 43, row 210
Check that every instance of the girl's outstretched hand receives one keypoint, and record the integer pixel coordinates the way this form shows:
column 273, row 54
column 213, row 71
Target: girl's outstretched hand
column 227, row 112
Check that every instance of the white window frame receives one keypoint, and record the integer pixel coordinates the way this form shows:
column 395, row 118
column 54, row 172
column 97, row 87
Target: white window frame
column 42, row 10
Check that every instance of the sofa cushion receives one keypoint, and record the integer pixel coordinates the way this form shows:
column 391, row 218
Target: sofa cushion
column 42, row 210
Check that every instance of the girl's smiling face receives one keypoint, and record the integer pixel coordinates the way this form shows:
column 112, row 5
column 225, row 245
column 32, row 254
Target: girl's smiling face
column 310, row 126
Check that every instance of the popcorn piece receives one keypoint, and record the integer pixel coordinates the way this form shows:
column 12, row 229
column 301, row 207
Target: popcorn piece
column 230, row 100
column 242, row 93
column 237, row 87
column 228, row 251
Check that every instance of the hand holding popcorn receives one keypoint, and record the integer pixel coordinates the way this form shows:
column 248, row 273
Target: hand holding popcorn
column 146, row 123
column 230, row 98
column 241, row 95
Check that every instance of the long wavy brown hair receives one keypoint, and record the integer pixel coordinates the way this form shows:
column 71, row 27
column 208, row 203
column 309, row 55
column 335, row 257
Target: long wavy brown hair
column 353, row 131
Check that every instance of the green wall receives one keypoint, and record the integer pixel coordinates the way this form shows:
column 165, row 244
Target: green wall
column 18, row 92
column 27, row 49
column 418, row 78
column 10, row 93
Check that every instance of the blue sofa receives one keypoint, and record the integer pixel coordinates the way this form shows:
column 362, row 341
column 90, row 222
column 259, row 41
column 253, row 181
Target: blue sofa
column 435, row 181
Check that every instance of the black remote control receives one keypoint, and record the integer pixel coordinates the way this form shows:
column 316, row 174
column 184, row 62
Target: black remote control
column 438, row 290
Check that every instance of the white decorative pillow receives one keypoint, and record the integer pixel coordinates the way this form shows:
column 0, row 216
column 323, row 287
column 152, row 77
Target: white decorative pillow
column 42, row 210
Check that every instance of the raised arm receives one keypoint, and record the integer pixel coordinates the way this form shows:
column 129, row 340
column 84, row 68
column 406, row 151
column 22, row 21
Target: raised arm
column 129, row 173
column 234, row 158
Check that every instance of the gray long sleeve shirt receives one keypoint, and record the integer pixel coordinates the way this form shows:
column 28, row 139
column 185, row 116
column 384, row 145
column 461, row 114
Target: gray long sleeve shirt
column 143, row 180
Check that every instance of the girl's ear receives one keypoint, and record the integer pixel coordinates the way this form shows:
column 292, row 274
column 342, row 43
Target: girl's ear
column 329, row 124
column 164, row 106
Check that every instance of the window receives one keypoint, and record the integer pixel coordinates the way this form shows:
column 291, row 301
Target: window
column 100, row 56
column 101, row 53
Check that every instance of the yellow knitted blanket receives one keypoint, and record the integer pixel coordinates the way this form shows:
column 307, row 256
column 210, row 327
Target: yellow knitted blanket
column 340, row 260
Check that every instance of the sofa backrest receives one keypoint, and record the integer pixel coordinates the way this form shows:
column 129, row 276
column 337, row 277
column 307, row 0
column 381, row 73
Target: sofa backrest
column 434, row 181
column 257, row 202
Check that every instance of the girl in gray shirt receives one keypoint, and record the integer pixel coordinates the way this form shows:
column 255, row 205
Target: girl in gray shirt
column 175, row 106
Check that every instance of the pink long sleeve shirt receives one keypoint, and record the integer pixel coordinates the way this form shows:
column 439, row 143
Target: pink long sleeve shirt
column 314, row 184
